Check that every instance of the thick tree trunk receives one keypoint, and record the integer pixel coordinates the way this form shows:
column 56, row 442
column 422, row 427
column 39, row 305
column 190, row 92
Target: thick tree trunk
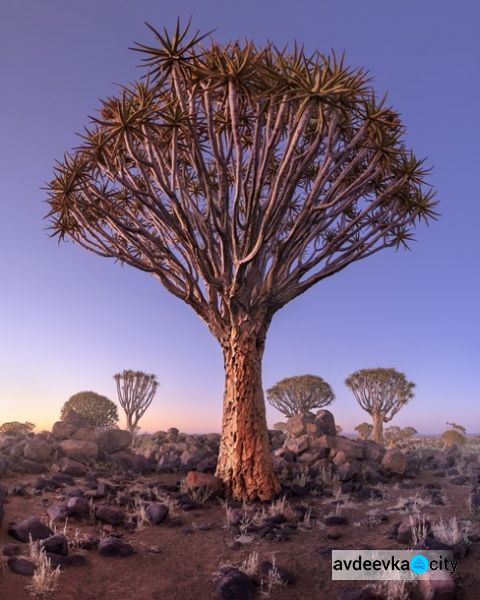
column 245, row 463
column 377, row 433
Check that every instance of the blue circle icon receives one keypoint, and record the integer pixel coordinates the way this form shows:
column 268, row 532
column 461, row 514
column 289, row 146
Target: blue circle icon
column 419, row 564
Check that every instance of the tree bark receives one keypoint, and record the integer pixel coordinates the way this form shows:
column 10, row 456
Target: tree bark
column 377, row 428
column 245, row 463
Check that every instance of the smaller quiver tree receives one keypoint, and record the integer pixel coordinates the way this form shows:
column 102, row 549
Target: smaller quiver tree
column 364, row 430
column 136, row 391
column 16, row 428
column 99, row 410
column 300, row 394
column 381, row 393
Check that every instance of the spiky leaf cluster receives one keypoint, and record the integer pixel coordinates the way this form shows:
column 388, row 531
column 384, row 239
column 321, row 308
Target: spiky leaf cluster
column 240, row 175
column 300, row 394
column 381, row 391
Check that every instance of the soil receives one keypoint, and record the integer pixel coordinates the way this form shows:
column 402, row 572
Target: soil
column 180, row 563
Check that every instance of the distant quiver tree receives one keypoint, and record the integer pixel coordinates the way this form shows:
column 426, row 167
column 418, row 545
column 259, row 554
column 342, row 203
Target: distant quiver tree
column 99, row 410
column 239, row 176
column 16, row 428
column 381, row 393
column 300, row 394
column 136, row 391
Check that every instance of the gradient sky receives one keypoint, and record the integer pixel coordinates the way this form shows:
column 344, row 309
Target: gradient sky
column 69, row 320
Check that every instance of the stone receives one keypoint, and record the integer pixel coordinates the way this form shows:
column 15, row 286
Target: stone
column 29, row 527
column 56, row 544
column 113, row 546
column 82, row 451
column 71, row 467
column 78, row 507
column 351, row 449
column 39, row 452
column 110, row 515
column 114, row 440
column 62, row 431
column 296, row 425
column 235, row 585
column 71, row 560
column 325, row 423
column 335, row 521
column 21, row 565
column 394, row 461
column 157, row 513
column 298, row 444
column 196, row 480
column 10, row 549
column 30, row 467
column 85, row 434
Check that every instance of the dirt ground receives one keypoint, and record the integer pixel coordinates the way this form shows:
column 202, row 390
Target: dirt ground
column 180, row 562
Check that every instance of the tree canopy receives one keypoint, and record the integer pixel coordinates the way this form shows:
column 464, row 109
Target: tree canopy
column 99, row 410
column 300, row 394
column 16, row 428
column 240, row 176
column 381, row 393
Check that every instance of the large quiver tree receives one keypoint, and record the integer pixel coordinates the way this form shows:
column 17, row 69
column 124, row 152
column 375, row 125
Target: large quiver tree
column 239, row 177
column 381, row 393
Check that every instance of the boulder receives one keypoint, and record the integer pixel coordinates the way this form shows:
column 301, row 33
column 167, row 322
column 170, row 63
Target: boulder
column 351, row 449
column 297, row 445
column 297, row 425
column 29, row 466
column 110, row 515
column 20, row 565
column 38, row 451
column 325, row 423
column 394, row 461
column 82, row 451
column 235, row 585
column 112, row 546
column 157, row 513
column 114, row 440
column 56, row 544
column 86, row 434
column 62, row 430
column 71, row 467
column 27, row 528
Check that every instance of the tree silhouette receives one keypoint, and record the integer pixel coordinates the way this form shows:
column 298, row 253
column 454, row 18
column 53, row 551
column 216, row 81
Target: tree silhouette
column 239, row 176
column 136, row 391
column 381, row 393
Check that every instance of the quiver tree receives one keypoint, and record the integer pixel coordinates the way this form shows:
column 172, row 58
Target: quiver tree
column 239, row 176
column 136, row 391
column 16, row 428
column 381, row 393
column 300, row 394
column 364, row 430
column 99, row 410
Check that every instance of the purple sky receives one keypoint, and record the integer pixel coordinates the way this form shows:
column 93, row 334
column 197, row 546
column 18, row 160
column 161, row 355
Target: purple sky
column 69, row 320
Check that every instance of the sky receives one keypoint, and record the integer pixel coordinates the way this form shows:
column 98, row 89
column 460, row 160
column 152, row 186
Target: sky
column 69, row 320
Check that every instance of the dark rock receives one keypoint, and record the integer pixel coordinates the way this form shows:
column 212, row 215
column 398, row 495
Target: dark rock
column 76, row 419
column 10, row 549
column 335, row 520
column 71, row 467
column 21, row 565
column 56, row 544
column 157, row 513
column 72, row 560
column 29, row 527
column 325, row 423
column 78, row 507
column 266, row 567
column 114, row 440
column 30, row 467
column 63, row 478
column 235, row 585
column 46, row 484
column 110, row 515
column 112, row 546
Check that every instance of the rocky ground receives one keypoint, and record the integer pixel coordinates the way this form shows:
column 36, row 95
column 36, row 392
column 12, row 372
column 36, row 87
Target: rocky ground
column 150, row 522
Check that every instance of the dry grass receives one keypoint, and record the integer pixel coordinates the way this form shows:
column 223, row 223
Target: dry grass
column 45, row 578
